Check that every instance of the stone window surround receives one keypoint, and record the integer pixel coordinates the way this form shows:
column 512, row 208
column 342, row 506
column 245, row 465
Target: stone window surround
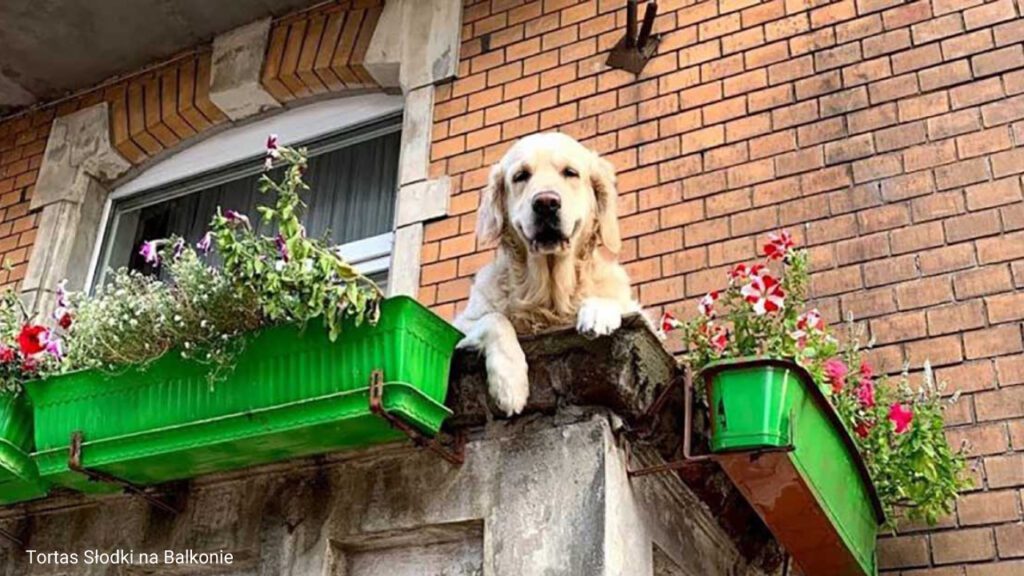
column 414, row 47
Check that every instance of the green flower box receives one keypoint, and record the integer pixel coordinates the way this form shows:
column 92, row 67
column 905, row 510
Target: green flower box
column 19, row 479
column 293, row 393
column 783, row 445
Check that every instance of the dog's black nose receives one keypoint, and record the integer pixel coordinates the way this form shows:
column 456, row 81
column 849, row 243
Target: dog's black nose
column 547, row 204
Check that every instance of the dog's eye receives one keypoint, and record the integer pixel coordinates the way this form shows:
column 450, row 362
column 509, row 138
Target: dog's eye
column 570, row 172
column 521, row 176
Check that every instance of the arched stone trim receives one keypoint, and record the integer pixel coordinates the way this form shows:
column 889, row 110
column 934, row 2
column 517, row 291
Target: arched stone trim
column 413, row 46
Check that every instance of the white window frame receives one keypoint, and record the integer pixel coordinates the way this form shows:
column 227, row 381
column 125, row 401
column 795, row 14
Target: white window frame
column 245, row 142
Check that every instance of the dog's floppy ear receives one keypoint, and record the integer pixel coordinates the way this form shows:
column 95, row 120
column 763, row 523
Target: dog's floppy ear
column 603, row 180
column 490, row 218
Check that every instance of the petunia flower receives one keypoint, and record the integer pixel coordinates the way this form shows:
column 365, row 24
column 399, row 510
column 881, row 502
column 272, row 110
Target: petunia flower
column 65, row 320
column 62, row 312
column 669, row 322
column 282, row 246
column 719, row 338
column 33, row 339
column 901, row 416
column 179, row 248
column 150, row 252
column 743, row 271
column 865, row 369
column 778, row 245
column 273, row 149
column 7, row 354
column 863, row 428
column 806, row 323
column 204, row 243
column 765, row 293
column 866, row 393
column 54, row 348
column 706, row 306
column 836, row 371
column 236, row 218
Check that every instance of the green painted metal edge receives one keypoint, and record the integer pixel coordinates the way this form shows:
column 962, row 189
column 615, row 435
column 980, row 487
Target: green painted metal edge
column 19, row 478
column 294, row 393
column 767, row 403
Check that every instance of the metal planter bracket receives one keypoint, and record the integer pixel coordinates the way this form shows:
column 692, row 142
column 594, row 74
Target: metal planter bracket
column 75, row 464
column 455, row 455
column 633, row 52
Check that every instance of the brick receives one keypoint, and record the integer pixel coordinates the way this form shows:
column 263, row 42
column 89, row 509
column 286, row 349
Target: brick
column 982, row 281
column 1010, row 540
column 868, row 303
column 893, row 88
column 1009, row 33
column 907, row 186
column 961, row 173
column 969, row 377
column 947, row 259
column 938, row 205
column 993, row 342
column 1003, row 111
column 966, row 45
column 923, row 106
column 937, row 28
column 984, row 142
column 963, row 546
column 1006, row 471
column 995, row 193
column 877, row 167
column 982, row 439
column 900, row 136
column 930, row 291
column 989, row 14
column 916, row 59
column 823, row 131
column 948, row 74
column 898, row 327
column 988, row 507
column 1005, row 308
column 955, row 318
column 998, row 61
column 973, row 225
column 953, row 124
column 886, row 43
column 902, row 552
column 915, row 238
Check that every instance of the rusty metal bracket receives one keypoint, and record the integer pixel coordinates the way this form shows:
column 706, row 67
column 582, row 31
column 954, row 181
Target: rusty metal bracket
column 688, row 456
column 633, row 52
column 75, row 464
column 454, row 456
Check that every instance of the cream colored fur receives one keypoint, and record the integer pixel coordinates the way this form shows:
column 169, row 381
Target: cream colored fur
column 529, row 288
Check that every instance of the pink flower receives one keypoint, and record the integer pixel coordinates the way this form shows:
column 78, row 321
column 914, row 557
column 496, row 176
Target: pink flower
column 7, row 354
column 236, row 218
column 836, row 371
column 179, row 248
column 272, row 147
column 204, row 243
column 282, row 246
column 719, row 339
column 778, row 245
column 866, row 393
column 707, row 304
column 865, row 369
column 54, row 348
column 901, row 416
column 743, row 271
column 863, row 428
column 62, row 312
column 765, row 293
column 150, row 252
column 669, row 322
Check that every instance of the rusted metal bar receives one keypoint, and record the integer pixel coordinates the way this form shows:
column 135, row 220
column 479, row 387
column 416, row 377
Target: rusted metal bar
column 631, row 23
column 455, row 456
column 75, row 464
column 632, row 53
column 648, row 25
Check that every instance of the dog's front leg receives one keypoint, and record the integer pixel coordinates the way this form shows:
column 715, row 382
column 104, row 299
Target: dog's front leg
column 507, row 379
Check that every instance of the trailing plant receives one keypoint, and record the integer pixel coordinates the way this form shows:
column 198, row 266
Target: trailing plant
column 27, row 350
column 271, row 274
column 897, row 427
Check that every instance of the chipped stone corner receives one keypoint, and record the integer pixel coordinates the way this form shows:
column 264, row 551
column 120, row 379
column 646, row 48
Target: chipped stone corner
column 235, row 85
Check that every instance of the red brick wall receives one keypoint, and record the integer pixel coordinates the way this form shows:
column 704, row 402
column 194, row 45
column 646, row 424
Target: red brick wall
column 22, row 141
column 887, row 135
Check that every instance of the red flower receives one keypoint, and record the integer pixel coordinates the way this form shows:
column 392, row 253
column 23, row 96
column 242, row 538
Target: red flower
column 742, row 271
column 835, row 371
column 669, row 322
column 32, row 339
column 805, row 324
column 29, row 365
column 718, row 336
column 65, row 320
column 7, row 354
column 706, row 306
column 778, row 245
column 865, row 369
column 901, row 416
column 765, row 293
column 863, row 428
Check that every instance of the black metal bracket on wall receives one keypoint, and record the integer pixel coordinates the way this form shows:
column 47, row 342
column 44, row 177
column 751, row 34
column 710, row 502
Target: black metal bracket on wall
column 633, row 52
column 454, row 456
column 75, row 464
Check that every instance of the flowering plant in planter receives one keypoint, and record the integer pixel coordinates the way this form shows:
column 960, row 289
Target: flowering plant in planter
column 271, row 274
column 27, row 350
column 898, row 428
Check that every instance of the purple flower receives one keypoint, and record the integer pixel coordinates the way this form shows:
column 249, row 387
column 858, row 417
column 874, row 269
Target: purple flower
column 150, row 252
column 236, row 217
column 272, row 147
column 54, row 348
column 204, row 243
column 282, row 246
column 179, row 247
column 62, row 312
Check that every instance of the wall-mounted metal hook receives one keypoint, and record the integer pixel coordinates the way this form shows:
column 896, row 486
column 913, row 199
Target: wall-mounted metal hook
column 633, row 52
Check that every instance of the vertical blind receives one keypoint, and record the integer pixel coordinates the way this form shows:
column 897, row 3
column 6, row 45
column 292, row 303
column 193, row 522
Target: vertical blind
column 352, row 178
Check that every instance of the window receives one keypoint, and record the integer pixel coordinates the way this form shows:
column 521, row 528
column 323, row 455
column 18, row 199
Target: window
column 353, row 176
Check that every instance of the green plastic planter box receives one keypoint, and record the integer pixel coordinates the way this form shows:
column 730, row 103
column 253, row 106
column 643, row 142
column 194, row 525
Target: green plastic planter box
column 781, row 442
column 19, row 479
column 293, row 393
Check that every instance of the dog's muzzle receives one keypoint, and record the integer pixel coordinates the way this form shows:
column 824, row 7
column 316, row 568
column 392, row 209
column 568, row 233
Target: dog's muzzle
column 547, row 223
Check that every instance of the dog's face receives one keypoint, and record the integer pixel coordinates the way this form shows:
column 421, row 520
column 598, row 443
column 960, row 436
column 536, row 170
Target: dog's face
column 552, row 193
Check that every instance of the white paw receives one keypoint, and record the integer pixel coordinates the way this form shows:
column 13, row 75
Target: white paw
column 598, row 317
column 507, row 379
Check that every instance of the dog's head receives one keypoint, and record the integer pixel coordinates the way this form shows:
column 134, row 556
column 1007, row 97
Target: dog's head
column 551, row 194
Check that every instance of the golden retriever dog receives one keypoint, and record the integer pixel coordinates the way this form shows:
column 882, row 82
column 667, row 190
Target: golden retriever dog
column 550, row 206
